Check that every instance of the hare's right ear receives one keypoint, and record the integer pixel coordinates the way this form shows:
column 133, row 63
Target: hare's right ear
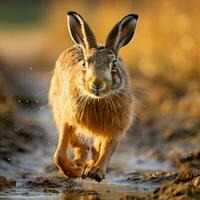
column 80, row 32
column 122, row 33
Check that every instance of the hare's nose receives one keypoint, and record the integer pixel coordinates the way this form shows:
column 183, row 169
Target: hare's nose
column 97, row 84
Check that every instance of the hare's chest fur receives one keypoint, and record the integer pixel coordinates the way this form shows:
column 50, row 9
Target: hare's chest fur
column 101, row 117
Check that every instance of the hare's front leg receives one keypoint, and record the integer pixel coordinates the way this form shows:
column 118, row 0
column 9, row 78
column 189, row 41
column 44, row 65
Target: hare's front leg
column 61, row 159
column 80, row 151
column 98, row 169
column 95, row 155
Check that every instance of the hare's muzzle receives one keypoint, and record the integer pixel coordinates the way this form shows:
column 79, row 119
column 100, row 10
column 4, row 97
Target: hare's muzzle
column 97, row 86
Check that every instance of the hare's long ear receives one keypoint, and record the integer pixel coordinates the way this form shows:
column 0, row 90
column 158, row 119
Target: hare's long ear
column 80, row 32
column 122, row 33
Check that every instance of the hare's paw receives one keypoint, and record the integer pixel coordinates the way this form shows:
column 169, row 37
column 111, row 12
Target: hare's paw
column 67, row 167
column 94, row 172
column 79, row 162
column 87, row 167
column 75, row 170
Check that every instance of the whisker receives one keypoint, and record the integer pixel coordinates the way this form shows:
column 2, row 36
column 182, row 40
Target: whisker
column 122, row 100
column 109, row 102
column 112, row 103
column 83, row 108
column 136, row 100
column 136, row 97
column 81, row 102
column 124, row 94
column 140, row 91
column 111, row 106
column 106, row 104
column 41, row 92
column 116, row 100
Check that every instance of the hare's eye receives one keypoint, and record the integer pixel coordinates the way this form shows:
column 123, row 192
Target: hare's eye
column 114, row 66
column 84, row 66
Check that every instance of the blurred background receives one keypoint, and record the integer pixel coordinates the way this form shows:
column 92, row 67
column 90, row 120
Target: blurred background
column 33, row 33
column 163, row 60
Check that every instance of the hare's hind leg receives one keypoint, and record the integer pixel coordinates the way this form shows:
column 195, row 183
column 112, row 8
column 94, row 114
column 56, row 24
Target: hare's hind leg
column 61, row 159
column 80, row 150
column 98, row 169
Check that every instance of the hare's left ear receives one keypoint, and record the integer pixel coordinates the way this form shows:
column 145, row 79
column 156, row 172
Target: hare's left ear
column 80, row 31
column 122, row 33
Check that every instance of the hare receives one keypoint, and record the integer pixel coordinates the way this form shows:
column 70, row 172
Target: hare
column 90, row 96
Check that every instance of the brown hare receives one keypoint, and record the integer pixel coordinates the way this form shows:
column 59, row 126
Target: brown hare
column 90, row 95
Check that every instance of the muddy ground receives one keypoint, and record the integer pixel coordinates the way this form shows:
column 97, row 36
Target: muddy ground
column 159, row 159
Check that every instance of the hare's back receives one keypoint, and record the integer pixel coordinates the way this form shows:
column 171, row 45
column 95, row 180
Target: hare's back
column 65, row 63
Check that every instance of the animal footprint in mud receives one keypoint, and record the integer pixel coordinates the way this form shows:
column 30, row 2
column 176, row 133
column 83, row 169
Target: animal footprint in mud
column 94, row 172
